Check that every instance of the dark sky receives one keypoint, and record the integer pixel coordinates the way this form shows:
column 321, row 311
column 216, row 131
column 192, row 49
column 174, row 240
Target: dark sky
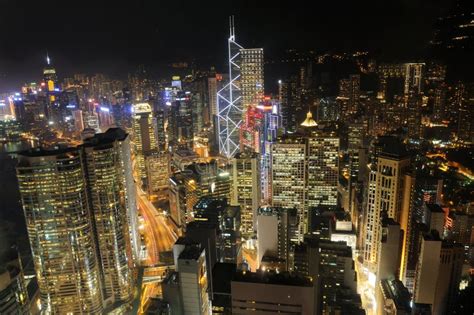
column 91, row 36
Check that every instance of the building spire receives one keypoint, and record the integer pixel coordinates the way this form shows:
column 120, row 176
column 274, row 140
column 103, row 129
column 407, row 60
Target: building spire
column 309, row 121
column 48, row 60
column 232, row 26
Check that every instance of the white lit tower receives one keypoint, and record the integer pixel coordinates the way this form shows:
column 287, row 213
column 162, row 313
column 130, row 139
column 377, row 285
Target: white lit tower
column 229, row 101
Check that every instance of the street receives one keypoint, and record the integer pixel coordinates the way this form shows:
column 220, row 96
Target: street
column 159, row 237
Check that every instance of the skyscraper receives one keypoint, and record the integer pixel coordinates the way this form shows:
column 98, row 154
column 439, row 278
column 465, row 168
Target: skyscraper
column 111, row 192
column 252, row 77
column 144, row 141
column 244, row 90
column 246, row 189
column 349, row 93
column 229, row 101
column 305, row 172
column 193, row 280
column 385, row 193
column 323, row 168
column 54, row 196
column 289, row 176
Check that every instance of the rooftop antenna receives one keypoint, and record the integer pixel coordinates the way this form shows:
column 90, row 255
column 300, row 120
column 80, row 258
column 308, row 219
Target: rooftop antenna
column 232, row 27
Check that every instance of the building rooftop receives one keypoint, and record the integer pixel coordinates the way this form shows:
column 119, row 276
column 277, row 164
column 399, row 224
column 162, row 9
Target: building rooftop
column 191, row 252
column 392, row 147
column 40, row 151
column 270, row 277
column 394, row 289
column 111, row 135
column 434, row 208
column 222, row 274
column 309, row 121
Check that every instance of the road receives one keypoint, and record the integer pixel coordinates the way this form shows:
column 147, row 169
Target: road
column 159, row 237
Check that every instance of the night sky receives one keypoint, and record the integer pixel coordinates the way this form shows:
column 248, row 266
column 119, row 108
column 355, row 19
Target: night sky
column 90, row 36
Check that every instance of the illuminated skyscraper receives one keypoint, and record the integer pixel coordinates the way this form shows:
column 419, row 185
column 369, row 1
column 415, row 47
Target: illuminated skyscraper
column 246, row 189
column 144, row 141
column 244, row 90
column 349, row 93
column 323, row 169
column 289, row 176
column 229, row 101
column 59, row 222
column 111, row 192
column 49, row 75
column 252, row 77
column 385, row 193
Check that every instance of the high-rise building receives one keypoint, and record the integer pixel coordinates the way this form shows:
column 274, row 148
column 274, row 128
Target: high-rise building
column 465, row 130
column 13, row 292
column 331, row 264
column 229, row 101
column 251, row 77
column 289, row 176
column 193, row 280
column 246, row 188
column 385, row 192
column 305, row 172
column 277, row 232
column 158, row 171
column 413, row 114
column 389, row 250
column 323, row 169
column 349, row 94
column 438, row 273
column 268, row 292
column 59, row 221
column 227, row 219
column 111, row 194
column 180, row 128
column 394, row 297
column 144, row 140
column 49, row 76
column 160, row 129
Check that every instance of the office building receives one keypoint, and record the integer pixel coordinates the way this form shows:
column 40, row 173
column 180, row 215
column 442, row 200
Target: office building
column 246, row 188
column 13, row 291
column 227, row 219
column 323, row 169
column 52, row 185
column 158, row 172
column 144, row 140
column 251, row 77
column 111, row 194
column 349, row 94
column 385, row 192
column 434, row 218
column 193, row 280
column 305, row 172
column 277, row 232
column 195, row 181
column 229, row 101
column 180, row 128
column 389, row 249
column 221, row 284
column 253, row 293
column 438, row 273
column 289, row 176
column 331, row 264
column 394, row 298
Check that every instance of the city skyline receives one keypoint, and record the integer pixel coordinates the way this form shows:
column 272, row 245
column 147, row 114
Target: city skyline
column 322, row 179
